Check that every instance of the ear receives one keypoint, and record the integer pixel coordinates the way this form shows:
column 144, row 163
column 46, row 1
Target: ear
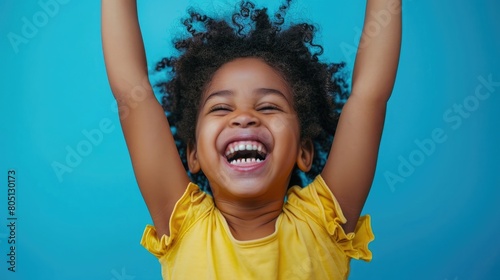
column 192, row 158
column 306, row 155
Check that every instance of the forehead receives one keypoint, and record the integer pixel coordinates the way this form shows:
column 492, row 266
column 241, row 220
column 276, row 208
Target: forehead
column 247, row 74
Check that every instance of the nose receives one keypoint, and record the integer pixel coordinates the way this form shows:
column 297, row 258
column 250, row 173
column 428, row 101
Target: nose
column 244, row 119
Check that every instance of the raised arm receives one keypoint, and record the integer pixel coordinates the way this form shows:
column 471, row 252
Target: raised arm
column 350, row 167
column 158, row 169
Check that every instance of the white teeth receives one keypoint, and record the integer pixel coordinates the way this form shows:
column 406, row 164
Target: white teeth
column 243, row 147
column 245, row 160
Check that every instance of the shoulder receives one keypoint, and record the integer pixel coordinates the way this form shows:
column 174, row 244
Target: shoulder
column 315, row 192
column 193, row 202
column 188, row 209
column 318, row 204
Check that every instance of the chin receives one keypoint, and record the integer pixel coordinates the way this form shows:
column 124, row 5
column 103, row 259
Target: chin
column 246, row 188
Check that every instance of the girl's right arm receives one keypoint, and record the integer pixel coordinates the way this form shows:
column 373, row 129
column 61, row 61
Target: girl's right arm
column 158, row 169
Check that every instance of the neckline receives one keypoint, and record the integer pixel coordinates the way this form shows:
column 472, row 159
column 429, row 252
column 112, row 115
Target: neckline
column 251, row 242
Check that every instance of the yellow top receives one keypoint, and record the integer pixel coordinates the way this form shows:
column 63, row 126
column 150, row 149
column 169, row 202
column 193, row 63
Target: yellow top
column 308, row 242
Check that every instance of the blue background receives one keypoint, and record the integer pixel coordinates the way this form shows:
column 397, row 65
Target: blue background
column 438, row 220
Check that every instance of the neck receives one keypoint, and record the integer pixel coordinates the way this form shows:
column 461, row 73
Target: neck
column 249, row 221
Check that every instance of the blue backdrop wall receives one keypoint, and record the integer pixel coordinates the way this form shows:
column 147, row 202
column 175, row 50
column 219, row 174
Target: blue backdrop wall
column 78, row 212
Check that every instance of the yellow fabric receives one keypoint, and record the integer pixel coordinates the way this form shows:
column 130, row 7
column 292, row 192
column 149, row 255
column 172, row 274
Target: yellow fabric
column 308, row 243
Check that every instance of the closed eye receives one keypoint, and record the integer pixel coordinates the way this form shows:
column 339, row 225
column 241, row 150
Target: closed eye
column 269, row 108
column 220, row 108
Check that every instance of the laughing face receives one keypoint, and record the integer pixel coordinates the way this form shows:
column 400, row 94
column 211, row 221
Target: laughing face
column 247, row 133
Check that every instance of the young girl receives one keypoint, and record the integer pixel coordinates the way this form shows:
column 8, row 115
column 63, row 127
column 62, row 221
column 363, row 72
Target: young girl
column 252, row 108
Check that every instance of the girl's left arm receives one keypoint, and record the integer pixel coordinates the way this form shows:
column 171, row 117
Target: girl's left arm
column 350, row 167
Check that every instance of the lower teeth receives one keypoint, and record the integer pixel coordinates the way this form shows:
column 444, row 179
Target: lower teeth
column 245, row 160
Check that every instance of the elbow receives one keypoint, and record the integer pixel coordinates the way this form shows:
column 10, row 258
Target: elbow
column 127, row 92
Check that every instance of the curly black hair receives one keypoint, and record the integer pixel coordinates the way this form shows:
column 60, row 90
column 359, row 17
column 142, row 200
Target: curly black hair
column 319, row 89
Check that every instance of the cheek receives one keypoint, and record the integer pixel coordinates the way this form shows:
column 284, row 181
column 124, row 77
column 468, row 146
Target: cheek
column 206, row 129
column 206, row 136
column 288, row 125
column 278, row 125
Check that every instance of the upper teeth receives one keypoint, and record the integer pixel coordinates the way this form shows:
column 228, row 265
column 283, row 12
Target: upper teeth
column 244, row 146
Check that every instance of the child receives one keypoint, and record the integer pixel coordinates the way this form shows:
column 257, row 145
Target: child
column 253, row 107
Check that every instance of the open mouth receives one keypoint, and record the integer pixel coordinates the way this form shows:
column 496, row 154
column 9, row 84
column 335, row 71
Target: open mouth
column 245, row 152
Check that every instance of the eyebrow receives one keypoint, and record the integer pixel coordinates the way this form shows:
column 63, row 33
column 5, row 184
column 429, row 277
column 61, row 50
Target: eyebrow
column 259, row 91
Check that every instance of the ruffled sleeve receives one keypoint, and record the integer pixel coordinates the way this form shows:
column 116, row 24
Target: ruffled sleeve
column 355, row 244
column 184, row 211
column 319, row 203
